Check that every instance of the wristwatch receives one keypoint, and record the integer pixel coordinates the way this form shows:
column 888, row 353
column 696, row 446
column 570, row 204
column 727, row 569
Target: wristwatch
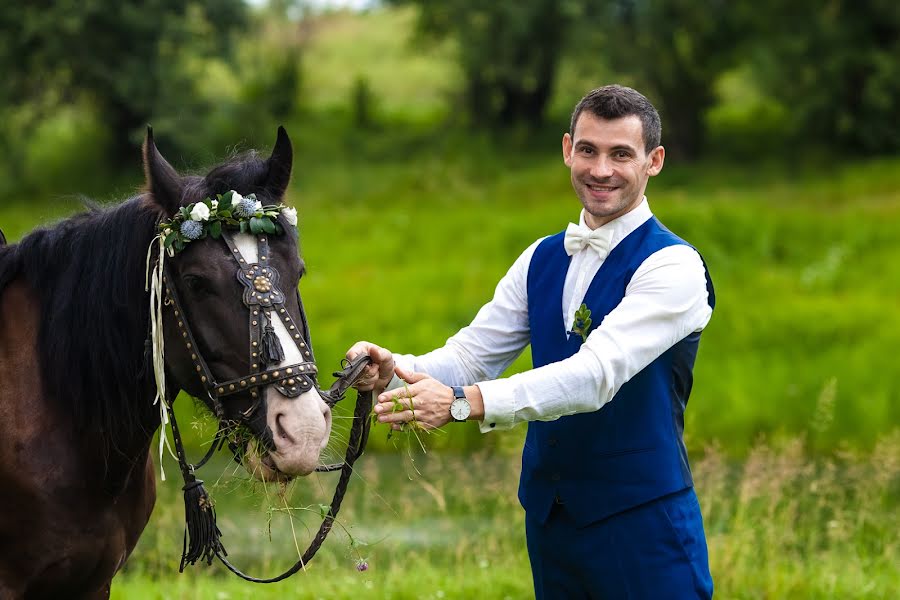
column 460, row 407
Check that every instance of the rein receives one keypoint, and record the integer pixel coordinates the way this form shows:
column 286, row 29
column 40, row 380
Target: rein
column 265, row 302
column 201, row 538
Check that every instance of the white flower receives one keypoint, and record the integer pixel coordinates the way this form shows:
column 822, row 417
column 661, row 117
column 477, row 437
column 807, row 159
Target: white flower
column 235, row 199
column 200, row 212
column 215, row 204
column 258, row 206
column 290, row 213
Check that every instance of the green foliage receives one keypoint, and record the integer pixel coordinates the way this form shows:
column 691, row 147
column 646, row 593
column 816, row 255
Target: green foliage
column 834, row 67
column 781, row 524
column 582, row 324
column 508, row 51
column 673, row 51
column 114, row 54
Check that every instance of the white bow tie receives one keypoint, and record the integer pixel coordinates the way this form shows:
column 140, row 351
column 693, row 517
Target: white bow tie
column 579, row 236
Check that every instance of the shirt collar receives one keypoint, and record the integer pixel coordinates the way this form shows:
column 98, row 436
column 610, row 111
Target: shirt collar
column 622, row 226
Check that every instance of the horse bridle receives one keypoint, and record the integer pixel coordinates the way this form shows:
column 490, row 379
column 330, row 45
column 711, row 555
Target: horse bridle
column 264, row 301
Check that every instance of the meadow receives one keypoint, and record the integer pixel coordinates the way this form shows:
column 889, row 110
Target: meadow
column 407, row 224
column 792, row 425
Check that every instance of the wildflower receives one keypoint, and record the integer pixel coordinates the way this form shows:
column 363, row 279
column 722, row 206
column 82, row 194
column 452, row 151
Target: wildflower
column 246, row 208
column 290, row 213
column 362, row 565
column 200, row 212
column 192, row 230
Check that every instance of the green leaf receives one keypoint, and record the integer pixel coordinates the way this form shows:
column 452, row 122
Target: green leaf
column 215, row 230
column 224, row 213
column 226, row 198
column 324, row 509
column 267, row 225
column 256, row 226
column 244, row 227
column 179, row 245
column 170, row 238
column 186, row 212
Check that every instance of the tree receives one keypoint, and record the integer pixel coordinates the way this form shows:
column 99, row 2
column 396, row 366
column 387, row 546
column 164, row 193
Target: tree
column 106, row 51
column 674, row 50
column 509, row 52
column 835, row 66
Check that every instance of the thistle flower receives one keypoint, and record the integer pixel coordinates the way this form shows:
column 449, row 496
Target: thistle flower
column 245, row 208
column 192, row 230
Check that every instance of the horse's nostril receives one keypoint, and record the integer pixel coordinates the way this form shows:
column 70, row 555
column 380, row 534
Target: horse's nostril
column 280, row 430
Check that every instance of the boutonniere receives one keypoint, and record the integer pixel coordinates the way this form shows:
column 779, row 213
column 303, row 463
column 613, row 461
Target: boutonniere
column 582, row 323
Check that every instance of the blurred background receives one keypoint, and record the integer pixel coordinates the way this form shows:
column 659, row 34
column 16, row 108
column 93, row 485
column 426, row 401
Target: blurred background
column 427, row 157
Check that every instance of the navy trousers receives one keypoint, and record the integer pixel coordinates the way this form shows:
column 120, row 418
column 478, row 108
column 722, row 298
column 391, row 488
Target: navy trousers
column 656, row 551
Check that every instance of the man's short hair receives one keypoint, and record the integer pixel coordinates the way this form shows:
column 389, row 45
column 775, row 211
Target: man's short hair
column 617, row 101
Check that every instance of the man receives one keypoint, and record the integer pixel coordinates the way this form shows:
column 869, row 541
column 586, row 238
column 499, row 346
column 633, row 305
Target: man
column 608, row 494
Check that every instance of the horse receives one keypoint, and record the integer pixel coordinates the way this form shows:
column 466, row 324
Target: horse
column 79, row 390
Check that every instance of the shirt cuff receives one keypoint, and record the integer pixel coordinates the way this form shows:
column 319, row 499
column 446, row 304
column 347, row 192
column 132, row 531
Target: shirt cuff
column 499, row 405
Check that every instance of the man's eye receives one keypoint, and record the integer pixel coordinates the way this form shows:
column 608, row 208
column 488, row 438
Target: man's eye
column 587, row 151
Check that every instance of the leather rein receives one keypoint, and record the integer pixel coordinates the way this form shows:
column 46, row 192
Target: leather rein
column 265, row 301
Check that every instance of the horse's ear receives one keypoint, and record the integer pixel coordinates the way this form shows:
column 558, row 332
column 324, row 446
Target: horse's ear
column 163, row 182
column 280, row 164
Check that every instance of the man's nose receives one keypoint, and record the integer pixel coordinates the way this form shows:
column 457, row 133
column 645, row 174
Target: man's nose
column 601, row 168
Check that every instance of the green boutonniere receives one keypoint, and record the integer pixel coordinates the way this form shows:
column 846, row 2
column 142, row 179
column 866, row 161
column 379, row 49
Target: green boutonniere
column 229, row 211
column 582, row 324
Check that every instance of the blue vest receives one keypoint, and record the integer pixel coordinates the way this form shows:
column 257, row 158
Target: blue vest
column 631, row 450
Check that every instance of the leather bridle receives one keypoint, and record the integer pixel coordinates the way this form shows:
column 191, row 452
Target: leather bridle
column 264, row 301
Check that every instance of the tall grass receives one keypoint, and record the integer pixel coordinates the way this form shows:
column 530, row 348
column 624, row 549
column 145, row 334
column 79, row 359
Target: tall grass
column 782, row 524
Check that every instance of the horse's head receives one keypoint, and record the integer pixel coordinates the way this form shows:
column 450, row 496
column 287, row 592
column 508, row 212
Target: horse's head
column 232, row 299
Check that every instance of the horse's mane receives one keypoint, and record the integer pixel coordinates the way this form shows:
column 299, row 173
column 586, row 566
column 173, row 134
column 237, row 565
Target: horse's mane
column 88, row 277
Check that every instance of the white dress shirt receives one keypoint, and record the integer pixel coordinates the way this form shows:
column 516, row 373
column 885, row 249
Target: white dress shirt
column 665, row 301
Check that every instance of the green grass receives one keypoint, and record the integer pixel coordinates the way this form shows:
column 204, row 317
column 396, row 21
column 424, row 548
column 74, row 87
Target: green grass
column 806, row 267
column 781, row 524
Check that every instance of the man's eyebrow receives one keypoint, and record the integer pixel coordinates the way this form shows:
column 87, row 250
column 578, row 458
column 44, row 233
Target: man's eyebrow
column 625, row 147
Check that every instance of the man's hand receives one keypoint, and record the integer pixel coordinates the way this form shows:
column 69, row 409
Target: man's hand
column 430, row 400
column 378, row 374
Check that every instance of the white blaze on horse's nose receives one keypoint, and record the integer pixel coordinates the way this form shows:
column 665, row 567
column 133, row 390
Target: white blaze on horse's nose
column 301, row 426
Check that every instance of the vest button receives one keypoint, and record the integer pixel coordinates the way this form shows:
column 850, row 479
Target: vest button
column 554, row 477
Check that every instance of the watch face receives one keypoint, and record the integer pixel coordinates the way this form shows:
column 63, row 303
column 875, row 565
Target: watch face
column 460, row 409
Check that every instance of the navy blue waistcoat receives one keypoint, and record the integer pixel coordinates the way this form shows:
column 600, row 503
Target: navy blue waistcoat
column 630, row 451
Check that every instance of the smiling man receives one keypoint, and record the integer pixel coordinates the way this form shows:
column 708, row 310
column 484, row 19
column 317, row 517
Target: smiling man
column 613, row 309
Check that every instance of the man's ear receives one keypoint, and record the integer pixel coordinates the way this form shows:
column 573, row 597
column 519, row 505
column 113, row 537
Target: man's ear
column 567, row 149
column 163, row 182
column 657, row 158
column 280, row 164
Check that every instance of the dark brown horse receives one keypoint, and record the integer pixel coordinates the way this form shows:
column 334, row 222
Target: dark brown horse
column 77, row 385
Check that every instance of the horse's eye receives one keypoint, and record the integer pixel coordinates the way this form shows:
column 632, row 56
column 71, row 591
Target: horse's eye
column 197, row 284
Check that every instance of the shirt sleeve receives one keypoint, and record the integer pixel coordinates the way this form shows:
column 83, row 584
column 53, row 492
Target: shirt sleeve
column 664, row 302
column 495, row 338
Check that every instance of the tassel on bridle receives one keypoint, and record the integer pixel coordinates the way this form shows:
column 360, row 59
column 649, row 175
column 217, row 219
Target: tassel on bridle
column 272, row 352
column 201, row 534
